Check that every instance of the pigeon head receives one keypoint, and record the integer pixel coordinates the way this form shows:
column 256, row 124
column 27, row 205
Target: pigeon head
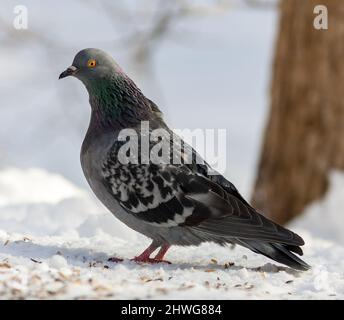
column 114, row 97
column 91, row 65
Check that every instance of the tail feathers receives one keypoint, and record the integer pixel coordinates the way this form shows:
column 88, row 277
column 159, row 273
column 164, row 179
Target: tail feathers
column 278, row 252
column 295, row 249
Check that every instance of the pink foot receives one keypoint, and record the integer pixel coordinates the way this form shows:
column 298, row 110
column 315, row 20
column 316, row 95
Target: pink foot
column 144, row 257
column 115, row 260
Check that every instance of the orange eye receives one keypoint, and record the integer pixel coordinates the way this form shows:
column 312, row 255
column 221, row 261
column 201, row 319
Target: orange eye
column 91, row 63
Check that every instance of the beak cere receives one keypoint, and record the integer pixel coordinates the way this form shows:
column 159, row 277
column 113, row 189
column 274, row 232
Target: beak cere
column 68, row 72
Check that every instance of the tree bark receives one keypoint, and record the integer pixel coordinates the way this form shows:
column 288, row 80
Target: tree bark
column 304, row 137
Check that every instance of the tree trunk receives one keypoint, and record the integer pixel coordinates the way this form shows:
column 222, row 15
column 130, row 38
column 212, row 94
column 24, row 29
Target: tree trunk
column 304, row 138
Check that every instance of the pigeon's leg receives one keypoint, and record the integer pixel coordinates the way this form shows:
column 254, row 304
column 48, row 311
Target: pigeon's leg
column 145, row 255
column 160, row 255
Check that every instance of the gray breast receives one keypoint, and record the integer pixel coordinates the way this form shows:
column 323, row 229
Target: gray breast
column 93, row 152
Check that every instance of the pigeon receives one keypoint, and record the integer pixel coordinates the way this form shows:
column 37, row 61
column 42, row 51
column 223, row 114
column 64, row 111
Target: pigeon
column 177, row 200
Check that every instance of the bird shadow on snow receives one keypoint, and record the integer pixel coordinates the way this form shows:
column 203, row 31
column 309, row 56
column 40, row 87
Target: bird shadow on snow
column 211, row 267
column 81, row 257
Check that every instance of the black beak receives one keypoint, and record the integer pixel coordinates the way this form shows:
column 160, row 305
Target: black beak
column 68, row 72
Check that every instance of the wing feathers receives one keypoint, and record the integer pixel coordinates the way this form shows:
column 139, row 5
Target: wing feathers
column 177, row 195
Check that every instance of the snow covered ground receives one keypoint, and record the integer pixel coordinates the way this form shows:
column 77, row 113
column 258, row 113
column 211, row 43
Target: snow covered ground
column 56, row 245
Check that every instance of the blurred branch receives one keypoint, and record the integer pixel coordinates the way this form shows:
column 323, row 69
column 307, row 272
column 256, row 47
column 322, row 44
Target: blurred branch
column 13, row 36
column 262, row 4
column 146, row 24
column 143, row 41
